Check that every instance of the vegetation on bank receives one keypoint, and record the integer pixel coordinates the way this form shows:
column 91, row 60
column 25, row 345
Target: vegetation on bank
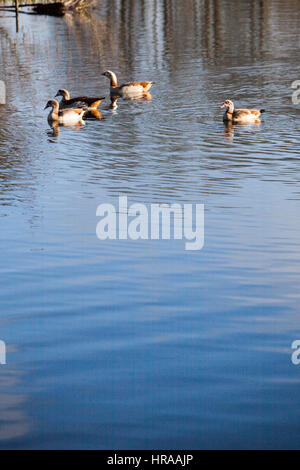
column 58, row 8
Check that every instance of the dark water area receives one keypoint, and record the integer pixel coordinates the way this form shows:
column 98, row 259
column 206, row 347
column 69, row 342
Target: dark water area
column 140, row 344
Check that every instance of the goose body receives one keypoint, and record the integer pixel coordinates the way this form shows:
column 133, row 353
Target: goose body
column 126, row 90
column 241, row 116
column 69, row 116
column 78, row 102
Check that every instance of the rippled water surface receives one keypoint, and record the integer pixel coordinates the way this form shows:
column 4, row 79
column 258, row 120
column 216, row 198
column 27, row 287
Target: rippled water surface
column 142, row 344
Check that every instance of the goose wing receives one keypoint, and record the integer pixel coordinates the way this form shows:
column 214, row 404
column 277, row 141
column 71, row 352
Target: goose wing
column 239, row 113
column 83, row 101
column 144, row 85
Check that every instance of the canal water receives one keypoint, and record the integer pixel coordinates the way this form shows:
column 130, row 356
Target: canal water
column 141, row 344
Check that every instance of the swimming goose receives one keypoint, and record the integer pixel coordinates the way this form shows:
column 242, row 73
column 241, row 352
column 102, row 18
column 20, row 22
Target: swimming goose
column 78, row 102
column 126, row 90
column 69, row 116
column 240, row 115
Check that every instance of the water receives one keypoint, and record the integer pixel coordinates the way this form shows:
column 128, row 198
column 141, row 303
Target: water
column 141, row 344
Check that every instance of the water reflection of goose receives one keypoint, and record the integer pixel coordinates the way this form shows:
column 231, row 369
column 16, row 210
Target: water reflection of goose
column 78, row 102
column 93, row 114
column 55, row 129
column 240, row 115
column 113, row 102
column 68, row 116
column 129, row 89
column 229, row 127
column 54, row 132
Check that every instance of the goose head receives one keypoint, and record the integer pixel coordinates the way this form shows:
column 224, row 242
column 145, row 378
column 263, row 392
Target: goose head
column 51, row 104
column 228, row 105
column 111, row 75
column 64, row 93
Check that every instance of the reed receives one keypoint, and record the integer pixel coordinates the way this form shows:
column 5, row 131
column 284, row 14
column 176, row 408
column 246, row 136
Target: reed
column 17, row 14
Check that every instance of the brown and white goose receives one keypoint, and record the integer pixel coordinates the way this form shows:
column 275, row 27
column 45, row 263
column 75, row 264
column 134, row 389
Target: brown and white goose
column 240, row 115
column 78, row 102
column 69, row 116
column 126, row 90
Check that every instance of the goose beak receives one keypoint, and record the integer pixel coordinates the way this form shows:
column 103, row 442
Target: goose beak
column 57, row 94
column 104, row 73
column 47, row 106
